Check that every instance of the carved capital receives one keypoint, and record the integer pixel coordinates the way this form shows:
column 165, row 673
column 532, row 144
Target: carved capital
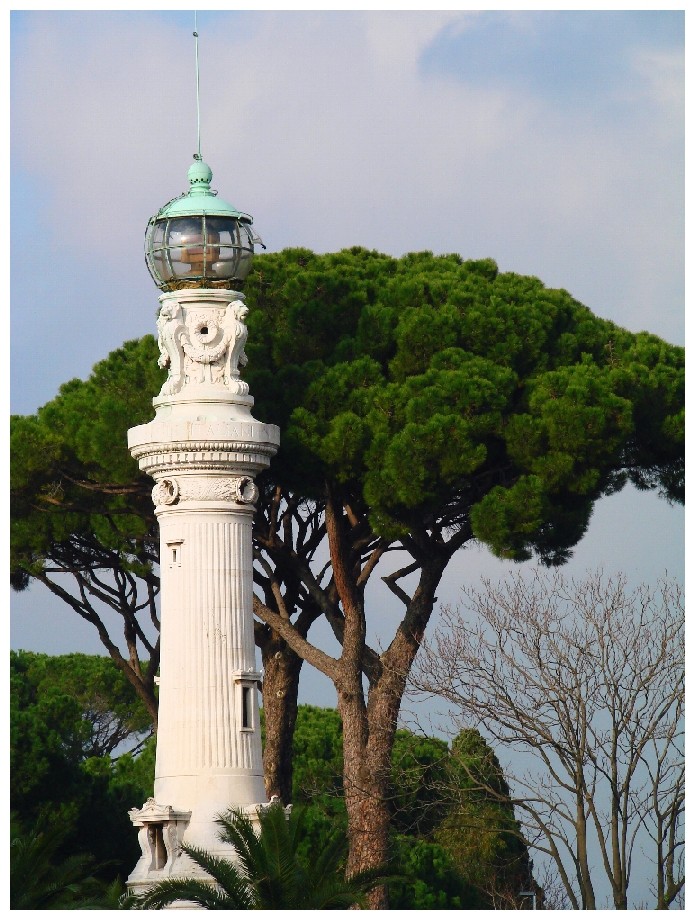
column 152, row 813
column 202, row 345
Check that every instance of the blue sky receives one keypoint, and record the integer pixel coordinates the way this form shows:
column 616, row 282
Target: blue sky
column 550, row 141
column 562, row 57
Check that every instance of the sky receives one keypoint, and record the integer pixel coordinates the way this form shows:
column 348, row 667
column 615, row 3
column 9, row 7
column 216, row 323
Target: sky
column 550, row 141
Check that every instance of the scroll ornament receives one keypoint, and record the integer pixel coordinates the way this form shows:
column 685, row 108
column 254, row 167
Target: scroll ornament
column 152, row 814
column 202, row 346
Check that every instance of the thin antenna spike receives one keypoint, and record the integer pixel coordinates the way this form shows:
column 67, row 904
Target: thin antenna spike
column 197, row 78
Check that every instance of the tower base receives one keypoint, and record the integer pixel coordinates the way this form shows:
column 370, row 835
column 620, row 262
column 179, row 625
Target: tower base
column 161, row 834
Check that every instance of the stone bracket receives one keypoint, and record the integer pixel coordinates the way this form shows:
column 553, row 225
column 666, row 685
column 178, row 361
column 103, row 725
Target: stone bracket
column 161, row 831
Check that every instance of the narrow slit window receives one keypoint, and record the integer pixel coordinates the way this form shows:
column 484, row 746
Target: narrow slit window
column 246, row 719
column 175, row 553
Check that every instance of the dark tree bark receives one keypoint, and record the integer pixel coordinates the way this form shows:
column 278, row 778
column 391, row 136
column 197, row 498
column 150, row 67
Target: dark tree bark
column 286, row 538
column 281, row 670
column 369, row 718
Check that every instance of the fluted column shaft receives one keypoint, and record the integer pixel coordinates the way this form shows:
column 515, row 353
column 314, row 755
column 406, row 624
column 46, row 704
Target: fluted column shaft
column 203, row 449
column 208, row 746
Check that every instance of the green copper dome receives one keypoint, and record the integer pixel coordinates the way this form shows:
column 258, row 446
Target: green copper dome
column 200, row 198
column 198, row 239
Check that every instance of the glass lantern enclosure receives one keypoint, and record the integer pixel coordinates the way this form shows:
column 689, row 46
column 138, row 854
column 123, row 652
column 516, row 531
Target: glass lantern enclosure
column 200, row 250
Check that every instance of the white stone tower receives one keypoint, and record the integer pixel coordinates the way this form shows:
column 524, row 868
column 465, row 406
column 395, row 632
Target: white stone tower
column 203, row 449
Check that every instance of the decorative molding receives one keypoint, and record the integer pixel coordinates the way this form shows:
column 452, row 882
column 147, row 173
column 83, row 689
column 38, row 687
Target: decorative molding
column 157, row 460
column 253, row 811
column 251, row 676
column 202, row 345
column 152, row 812
column 245, row 490
column 240, row 489
column 172, row 826
column 219, row 448
column 165, row 492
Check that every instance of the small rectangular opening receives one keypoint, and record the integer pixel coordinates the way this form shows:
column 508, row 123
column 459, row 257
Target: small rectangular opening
column 246, row 713
column 155, row 836
column 175, row 553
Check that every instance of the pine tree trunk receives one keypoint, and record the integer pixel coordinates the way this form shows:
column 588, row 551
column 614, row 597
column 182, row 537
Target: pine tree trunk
column 367, row 759
column 280, row 688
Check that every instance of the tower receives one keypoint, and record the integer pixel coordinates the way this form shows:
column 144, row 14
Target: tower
column 203, row 449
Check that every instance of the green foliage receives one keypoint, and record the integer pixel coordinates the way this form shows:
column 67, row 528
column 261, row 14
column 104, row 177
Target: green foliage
column 419, row 770
column 430, row 388
column 82, row 521
column 42, row 877
column 318, row 753
column 268, row 872
column 68, row 713
column 91, row 795
column 437, row 806
column 433, row 388
column 73, row 483
column 434, row 394
column 431, row 880
column 479, row 831
column 317, row 756
column 101, row 703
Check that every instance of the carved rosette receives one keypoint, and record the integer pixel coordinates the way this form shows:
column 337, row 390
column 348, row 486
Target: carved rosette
column 240, row 489
column 202, row 345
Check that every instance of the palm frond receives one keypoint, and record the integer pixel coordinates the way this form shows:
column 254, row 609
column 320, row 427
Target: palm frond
column 266, row 872
column 168, row 891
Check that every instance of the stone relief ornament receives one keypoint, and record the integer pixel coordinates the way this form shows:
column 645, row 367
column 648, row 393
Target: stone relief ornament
column 172, row 842
column 202, row 346
column 170, row 328
column 236, row 314
column 160, row 826
column 241, row 489
column 245, row 490
column 165, row 492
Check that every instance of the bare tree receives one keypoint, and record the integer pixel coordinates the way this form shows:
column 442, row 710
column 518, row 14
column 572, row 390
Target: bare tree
column 664, row 811
column 584, row 682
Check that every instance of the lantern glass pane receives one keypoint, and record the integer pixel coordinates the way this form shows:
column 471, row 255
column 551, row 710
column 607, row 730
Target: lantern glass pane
column 162, row 267
column 196, row 248
column 226, row 263
column 157, row 234
column 244, row 265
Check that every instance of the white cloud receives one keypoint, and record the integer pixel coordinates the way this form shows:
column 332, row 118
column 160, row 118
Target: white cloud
column 663, row 76
column 325, row 127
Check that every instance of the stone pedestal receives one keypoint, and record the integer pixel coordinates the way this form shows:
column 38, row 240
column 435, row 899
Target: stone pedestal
column 203, row 449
